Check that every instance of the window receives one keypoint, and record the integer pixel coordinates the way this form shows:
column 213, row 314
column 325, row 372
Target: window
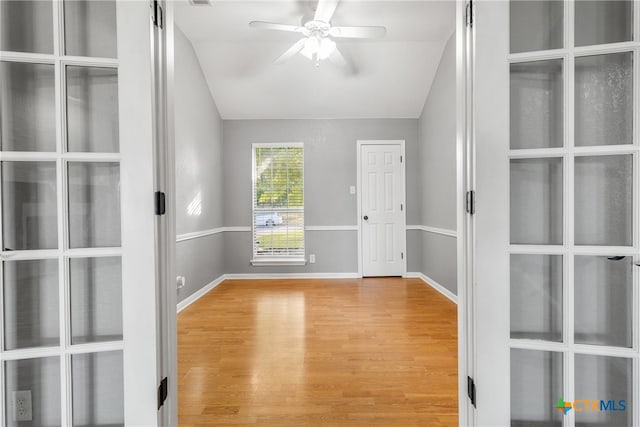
column 278, row 204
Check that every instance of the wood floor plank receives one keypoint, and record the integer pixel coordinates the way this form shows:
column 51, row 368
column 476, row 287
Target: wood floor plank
column 360, row 352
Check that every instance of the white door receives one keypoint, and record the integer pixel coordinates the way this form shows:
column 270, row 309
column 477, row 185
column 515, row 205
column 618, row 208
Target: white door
column 382, row 210
column 556, row 288
column 77, row 267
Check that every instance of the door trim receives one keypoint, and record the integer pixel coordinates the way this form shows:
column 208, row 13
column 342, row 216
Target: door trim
column 403, row 226
column 465, row 181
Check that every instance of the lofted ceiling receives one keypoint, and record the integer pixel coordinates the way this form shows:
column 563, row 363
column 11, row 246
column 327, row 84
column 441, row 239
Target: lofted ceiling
column 389, row 78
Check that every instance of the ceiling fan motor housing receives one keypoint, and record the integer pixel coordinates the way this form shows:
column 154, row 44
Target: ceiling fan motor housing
column 317, row 29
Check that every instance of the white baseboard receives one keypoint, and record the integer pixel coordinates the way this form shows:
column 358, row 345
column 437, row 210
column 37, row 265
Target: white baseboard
column 200, row 293
column 206, row 289
column 435, row 285
column 259, row 276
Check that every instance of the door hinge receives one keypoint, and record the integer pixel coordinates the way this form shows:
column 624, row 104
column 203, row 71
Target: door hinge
column 469, row 14
column 471, row 391
column 471, row 202
column 157, row 15
column 401, row 255
column 401, row 207
column 400, row 159
column 161, row 203
column 163, row 391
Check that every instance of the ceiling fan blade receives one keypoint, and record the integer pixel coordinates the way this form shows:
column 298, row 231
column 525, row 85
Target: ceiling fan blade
column 277, row 27
column 338, row 59
column 325, row 10
column 291, row 52
column 358, row 32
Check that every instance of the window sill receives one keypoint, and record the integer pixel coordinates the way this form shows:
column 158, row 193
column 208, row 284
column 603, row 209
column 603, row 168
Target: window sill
column 278, row 262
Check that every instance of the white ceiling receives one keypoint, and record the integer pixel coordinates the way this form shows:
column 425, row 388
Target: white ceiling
column 391, row 77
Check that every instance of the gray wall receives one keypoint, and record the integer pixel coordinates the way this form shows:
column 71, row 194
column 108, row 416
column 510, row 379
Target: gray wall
column 330, row 168
column 199, row 187
column 437, row 156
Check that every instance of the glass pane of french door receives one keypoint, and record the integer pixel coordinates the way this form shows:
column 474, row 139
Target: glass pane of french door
column 573, row 157
column 26, row 26
column 27, row 112
column 536, row 378
column 61, row 340
column 603, row 21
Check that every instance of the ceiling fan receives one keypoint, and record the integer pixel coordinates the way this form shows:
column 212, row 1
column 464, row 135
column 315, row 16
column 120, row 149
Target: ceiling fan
column 317, row 43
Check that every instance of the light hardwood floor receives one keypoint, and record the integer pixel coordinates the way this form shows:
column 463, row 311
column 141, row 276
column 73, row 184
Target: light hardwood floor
column 355, row 352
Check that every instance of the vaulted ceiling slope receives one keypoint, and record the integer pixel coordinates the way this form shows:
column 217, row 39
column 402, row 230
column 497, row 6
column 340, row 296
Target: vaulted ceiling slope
column 391, row 77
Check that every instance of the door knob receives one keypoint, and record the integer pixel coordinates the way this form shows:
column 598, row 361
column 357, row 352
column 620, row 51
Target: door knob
column 365, row 217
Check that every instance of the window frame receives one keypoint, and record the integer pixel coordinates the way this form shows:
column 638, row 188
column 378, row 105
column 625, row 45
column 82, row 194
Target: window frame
column 270, row 260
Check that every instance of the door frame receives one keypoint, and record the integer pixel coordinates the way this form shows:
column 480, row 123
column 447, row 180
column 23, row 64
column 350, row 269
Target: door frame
column 465, row 221
column 403, row 226
column 162, row 51
column 465, row 160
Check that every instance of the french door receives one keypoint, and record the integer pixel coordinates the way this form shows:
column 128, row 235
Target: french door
column 77, row 271
column 556, row 290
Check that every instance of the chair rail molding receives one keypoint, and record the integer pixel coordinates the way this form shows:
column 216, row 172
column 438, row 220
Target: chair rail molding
column 434, row 230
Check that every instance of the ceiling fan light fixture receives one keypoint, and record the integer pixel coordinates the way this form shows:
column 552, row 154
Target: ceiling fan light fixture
column 317, row 42
column 327, row 46
column 318, row 49
column 311, row 46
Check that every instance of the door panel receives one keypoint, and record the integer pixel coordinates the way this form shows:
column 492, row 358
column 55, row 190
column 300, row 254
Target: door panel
column 382, row 206
column 76, row 147
column 557, row 236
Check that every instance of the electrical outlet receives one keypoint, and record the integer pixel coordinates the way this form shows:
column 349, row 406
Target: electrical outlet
column 22, row 405
column 312, row 258
column 352, row 189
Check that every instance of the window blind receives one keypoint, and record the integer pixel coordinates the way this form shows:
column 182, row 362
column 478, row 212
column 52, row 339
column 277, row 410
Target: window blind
column 278, row 201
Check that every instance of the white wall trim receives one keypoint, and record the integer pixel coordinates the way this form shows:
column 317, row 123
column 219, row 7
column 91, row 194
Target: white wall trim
column 281, row 262
column 198, row 234
column 435, row 230
column 247, row 229
column 240, row 228
column 199, row 293
column 259, row 276
column 205, row 233
column 435, row 285
column 331, row 228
